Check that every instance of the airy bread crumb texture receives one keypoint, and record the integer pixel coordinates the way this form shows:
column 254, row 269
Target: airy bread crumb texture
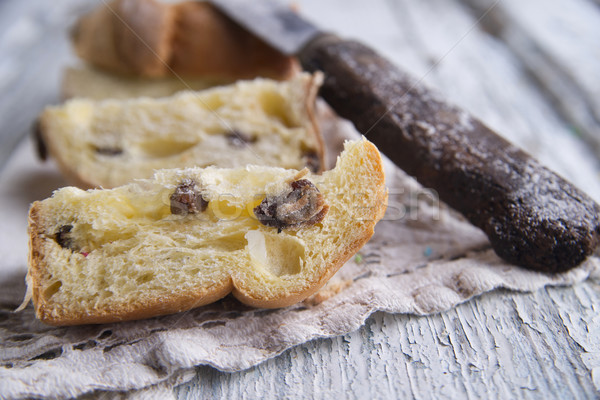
column 110, row 255
column 111, row 142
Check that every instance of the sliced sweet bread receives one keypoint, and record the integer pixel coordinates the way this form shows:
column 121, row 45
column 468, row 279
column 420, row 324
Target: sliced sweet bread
column 188, row 237
column 109, row 143
column 191, row 38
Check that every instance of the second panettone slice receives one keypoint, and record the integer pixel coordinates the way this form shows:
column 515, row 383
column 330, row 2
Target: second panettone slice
column 112, row 142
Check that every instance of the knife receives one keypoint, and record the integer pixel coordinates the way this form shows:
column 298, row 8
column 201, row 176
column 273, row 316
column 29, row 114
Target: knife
column 532, row 217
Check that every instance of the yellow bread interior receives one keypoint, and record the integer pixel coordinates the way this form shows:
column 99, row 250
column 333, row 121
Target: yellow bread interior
column 130, row 257
column 109, row 143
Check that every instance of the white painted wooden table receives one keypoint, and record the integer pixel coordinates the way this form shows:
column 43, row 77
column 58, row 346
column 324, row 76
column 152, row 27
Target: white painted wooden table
column 531, row 70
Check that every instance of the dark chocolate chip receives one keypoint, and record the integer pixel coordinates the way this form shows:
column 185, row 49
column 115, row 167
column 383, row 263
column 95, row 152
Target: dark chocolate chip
column 40, row 145
column 186, row 199
column 303, row 206
column 239, row 139
column 63, row 237
column 108, row 151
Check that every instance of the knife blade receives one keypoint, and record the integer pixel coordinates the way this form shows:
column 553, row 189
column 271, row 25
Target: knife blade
column 532, row 217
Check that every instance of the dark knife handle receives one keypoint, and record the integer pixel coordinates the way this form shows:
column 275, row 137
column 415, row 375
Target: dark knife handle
column 532, row 217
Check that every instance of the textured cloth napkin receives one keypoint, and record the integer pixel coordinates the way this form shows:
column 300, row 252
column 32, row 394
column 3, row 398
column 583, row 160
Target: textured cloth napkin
column 424, row 258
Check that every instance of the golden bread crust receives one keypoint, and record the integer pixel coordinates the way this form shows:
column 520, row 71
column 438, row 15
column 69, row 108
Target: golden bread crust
column 148, row 38
column 127, row 37
column 205, row 42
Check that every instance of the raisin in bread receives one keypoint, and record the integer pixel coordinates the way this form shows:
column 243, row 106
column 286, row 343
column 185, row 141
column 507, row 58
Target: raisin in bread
column 149, row 38
column 188, row 237
column 84, row 81
column 109, row 143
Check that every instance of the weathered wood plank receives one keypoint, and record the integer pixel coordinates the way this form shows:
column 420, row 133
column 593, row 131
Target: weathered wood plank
column 578, row 311
column 558, row 45
column 504, row 345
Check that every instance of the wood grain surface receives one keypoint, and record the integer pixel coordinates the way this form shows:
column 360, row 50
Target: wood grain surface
column 501, row 346
column 527, row 69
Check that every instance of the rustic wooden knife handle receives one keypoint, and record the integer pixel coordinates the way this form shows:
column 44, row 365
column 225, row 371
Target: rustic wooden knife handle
column 532, row 217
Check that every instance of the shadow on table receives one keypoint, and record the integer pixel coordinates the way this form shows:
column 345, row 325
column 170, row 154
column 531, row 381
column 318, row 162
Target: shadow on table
column 38, row 185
